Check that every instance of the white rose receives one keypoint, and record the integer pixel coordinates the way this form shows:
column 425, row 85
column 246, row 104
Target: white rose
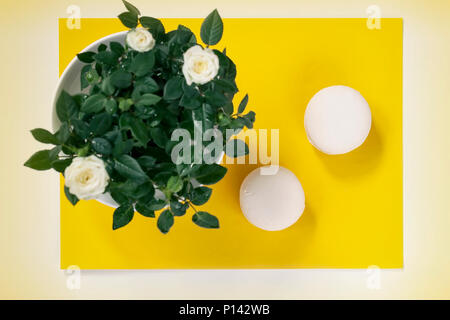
column 86, row 177
column 200, row 65
column 140, row 39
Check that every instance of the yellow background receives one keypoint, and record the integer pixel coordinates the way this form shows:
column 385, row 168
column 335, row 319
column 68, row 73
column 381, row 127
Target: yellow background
column 29, row 208
column 353, row 216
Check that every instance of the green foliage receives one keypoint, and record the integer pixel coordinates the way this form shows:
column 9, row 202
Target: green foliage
column 129, row 19
column 130, row 105
column 243, row 104
column 200, row 195
column 44, row 136
column 144, row 210
column 66, row 107
column 205, row 220
column 72, row 199
column 142, row 63
column 209, row 173
column 165, row 221
column 122, row 216
column 41, row 160
column 236, row 148
column 131, row 8
column 154, row 26
column 212, row 29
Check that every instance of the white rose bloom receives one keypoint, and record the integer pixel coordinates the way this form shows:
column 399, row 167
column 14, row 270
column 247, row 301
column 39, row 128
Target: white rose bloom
column 86, row 177
column 140, row 39
column 200, row 65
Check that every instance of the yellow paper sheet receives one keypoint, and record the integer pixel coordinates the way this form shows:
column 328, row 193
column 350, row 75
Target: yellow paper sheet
column 353, row 216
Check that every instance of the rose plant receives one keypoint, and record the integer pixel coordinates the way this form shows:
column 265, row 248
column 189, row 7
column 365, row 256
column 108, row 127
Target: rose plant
column 115, row 135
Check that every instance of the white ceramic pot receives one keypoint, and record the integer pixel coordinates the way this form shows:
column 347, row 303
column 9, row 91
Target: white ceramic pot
column 70, row 82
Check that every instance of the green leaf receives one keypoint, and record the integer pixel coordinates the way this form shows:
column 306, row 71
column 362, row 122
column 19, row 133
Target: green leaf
column 174, row 184
column 107, row 58
column 129, row 19
column 173, row 88
column 216, row 98
column 165, row 221
column 86, row 57
column 111, row 106
column 122, row 216
column 41, row 160
column 83, row 151
column 63, row 133
column 101, row 146
column 155, row 204
column 131, row 8
column 117, row 48
column 144, row 210
column 143, row 63
column 122, row 147
column 226, row 85
column 228, row 108
column 144, row 191
column 137, row 127
column 200, row 195
column 249, row 119
column 205, row 220
column 236, row 148
column 54, row 153
column 128, row 167
column 72, row 198
column 92, row 76
column 223, row 119
column 148, row 99
column 159, row 136
column 146, row 85
column 191, row 98
column 146, row 162
column 154, row 25
column 205, row 116
column 209, row 173
column 94, row 103
column 61, row 165
column 80, row 98
column 190, row 103
column 227, row 68
column 44, row 136
column 100, row 123
column 125, row 104
column 132, row 189
column 243, row 104
column 107, row 87
column 66, row 107
column 121, row 79
column 178, row 209
column 81, row 128
column 212, row 28
column 119, row 197
column 83, row 81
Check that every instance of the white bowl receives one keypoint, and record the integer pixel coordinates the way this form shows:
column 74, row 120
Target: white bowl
column 70, row 82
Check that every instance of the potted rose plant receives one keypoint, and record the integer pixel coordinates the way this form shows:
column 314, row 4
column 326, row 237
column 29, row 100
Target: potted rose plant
column 115, row 135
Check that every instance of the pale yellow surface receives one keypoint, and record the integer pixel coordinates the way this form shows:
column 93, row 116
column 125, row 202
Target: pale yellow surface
column 353, row 216
column 29, row 200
